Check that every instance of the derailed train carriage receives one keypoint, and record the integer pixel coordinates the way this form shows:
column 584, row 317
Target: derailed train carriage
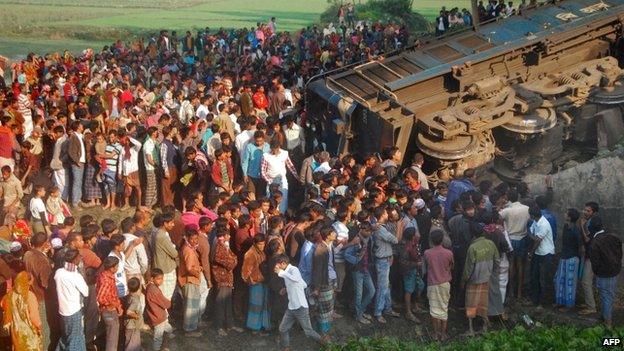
column 513, row 95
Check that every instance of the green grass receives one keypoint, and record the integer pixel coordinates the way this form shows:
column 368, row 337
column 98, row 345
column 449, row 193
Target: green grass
column 54, row 25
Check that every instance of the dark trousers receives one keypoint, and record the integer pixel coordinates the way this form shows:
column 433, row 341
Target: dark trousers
column 223, row 308
column 540, row 268
column 260, row 187
column 111, row 320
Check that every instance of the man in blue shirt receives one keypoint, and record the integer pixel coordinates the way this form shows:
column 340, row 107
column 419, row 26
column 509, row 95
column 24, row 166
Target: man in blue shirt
column 457, row 188
column 251, row 163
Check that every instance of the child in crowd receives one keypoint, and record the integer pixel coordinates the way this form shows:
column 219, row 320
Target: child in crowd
column 411, row 263
column 57, row 208
column 156, row 306
column 100, row 155
column 134, row 316
column 38, row 212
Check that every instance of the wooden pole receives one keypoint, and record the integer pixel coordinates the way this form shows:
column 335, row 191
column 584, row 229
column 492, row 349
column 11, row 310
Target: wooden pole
column 475, row 14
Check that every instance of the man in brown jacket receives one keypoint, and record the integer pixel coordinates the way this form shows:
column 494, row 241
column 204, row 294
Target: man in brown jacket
column 189, row 276
column 258, row 312
column 78, row 156
column 223, row 264
column 203, row 249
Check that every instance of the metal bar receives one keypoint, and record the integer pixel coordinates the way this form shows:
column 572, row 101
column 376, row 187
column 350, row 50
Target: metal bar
column 353, row 95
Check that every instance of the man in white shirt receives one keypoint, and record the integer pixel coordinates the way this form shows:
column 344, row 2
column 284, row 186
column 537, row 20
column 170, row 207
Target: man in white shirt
column 295, row 140
column 151, row 154
column 297, row 302
column 542, row 253
column 136, row 264
column 516, row 218
column 71, row 288
column 128, row 169
column 275, row 164
column 202, row 110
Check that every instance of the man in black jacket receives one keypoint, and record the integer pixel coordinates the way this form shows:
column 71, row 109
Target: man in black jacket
column 606, row 262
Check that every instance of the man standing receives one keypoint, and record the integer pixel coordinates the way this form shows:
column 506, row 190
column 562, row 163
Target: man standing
column 165, row 255
column 11, row 193
column 591, row 223
column 60, row 175
column 457, row 187
column 168, row 157
column 113, row 160
column 71, row 288
column 322, row 287
column 516, row 217
column 151, row 155
column 417, row 165
column 384, row 240
column 189, row 273
column 606, row 259
column 77, row 155
column 251, row 162
column 203, row 249
column 359, row 253
column 274, row 167
column 541, row 254
column 482, row 260
column 38, row 265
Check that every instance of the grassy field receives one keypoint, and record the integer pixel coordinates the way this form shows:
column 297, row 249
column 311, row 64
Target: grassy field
column 53, row 25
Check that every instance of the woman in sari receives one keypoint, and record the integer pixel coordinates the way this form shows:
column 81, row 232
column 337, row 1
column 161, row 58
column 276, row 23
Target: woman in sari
column 21, row 315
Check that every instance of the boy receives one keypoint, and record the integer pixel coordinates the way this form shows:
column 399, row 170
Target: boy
column 107, row 299
column 297, row 303
column 156, row 309
column 439, row 267
column 134, row 316
column 411, row 263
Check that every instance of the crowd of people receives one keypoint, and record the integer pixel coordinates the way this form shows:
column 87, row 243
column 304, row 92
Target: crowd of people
column 220, row 208
column 450, row 20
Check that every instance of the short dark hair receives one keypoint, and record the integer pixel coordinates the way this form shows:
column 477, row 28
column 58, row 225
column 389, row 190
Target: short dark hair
column 70, row 255
column 134, row 284
column 108, row 226
column 156, row 272
column 437, row 236
column 282, row 259
column 593, row 205
column 110, row 261
column 38, row 239
column 573, row 214
column 117, row 239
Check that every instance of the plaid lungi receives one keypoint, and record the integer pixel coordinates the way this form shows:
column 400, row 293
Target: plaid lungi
column 324, row 304
column 438, row 296
column 258, row 313
column 151, row 194
column 477, row 300
column 191, row 306
column 169, row 284
column 91, row 187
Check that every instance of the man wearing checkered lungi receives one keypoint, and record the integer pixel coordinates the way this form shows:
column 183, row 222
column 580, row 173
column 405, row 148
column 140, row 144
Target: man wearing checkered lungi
column 165, row 255
column 151, row 155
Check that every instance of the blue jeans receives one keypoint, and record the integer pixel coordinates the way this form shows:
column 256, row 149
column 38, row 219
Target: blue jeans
column 77, row 175
column 73, row 333
column 540, row 267
column 606, row 290
column 383, row 303
column 362, row 281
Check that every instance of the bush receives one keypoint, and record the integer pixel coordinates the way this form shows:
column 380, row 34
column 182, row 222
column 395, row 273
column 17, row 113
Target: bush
column 518, row 339
column 398, row 11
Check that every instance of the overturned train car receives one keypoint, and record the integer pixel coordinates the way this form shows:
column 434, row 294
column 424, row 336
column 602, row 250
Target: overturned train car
column 510, row 94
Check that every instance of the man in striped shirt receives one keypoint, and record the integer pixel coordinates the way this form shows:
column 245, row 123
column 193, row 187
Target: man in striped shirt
column 112, row 155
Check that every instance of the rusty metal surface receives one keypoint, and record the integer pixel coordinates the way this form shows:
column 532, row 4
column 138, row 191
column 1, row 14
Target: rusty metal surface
column 525, row 75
